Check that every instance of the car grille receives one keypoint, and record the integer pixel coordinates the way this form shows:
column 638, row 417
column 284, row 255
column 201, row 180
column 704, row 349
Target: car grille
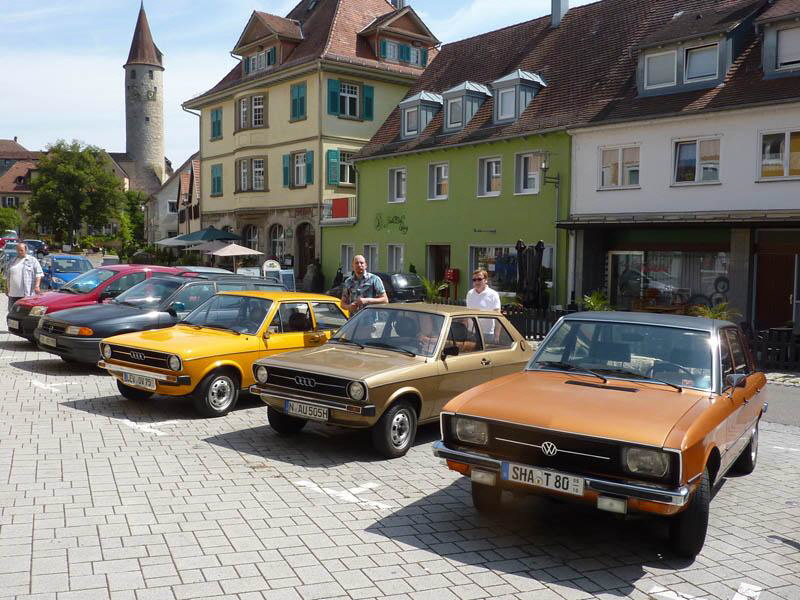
column 159, row 360
column 573, row 453
column 50, row 326
column 311, row 384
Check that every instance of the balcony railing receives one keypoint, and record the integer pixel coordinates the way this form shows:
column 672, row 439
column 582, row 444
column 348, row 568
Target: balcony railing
column 340, row 211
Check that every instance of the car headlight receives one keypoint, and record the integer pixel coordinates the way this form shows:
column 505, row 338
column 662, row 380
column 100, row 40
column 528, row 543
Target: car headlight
column 643, row 461
column 472, row 431
column 174, row 362
column 74, row 330
column 357, row 391
column 38, row 311
column 59, row 281
column 261, row 374
column 105, row 350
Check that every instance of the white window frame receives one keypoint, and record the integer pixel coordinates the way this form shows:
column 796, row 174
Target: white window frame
column 786, row 154
column 500, row 93
column 258, row 175
column 345, row 91
column 261, row 63
column 257, row 107
column 244, row 106
column 787, row 66
column 434, row 169
column 482, row 180
column 674, row 69
column 620, row 148
column 253, row 239
column 346, row 166
column 299, row 167
column 277, row 243
column 392, row 51
column 392, row 192
column 406, row 131
column 519, row 160
column 415, row 56
column 686, row 51
column 391, row 259
column 346, row 254
column 371, row 250
column 698, row 170
column 244, row 175
column 450, row 123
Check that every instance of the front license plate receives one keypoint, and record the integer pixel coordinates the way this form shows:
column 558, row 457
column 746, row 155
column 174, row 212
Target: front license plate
column 46, row 340
column 306, row 411
column 141, row 381
column 551, row 480
column 13, row 324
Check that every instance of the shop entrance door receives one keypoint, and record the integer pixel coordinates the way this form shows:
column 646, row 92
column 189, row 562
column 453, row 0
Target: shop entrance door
column 305, row 248
column 775, row 289
column 438, row 261
column 625, row 277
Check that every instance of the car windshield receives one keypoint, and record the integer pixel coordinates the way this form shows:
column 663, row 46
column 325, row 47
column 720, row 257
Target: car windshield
column 71, row 265
column 407, row 331
column 83, row 284
column 239, row 314
column 679, row 357
column 149, row 293
column 406, row 280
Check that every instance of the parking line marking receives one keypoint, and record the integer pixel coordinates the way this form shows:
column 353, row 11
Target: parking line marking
column 344, row 496
column 747, row 591
column 146, row 427
column 785, row 448
column 660, row 592
column 45, row 386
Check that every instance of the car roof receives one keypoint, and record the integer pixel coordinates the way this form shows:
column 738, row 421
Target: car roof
column 442, row 309
column 156, row 268
column 51, row 255
column 639, row 318
column 279, row 296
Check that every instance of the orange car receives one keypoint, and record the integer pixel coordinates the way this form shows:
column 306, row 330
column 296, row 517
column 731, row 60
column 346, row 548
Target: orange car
column 630, row 412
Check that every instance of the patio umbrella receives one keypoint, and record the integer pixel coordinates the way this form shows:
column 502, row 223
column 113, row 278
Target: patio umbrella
column 209, row 234
column 234, row 250
column 173, row 242
column 210, row 246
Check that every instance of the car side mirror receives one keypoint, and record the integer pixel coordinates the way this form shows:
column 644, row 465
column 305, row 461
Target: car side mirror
column 177, row 307
column 736, row 380
column 106, row 294
column 449, row 351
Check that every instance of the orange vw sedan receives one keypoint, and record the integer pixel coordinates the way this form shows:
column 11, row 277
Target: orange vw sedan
column 629, row 412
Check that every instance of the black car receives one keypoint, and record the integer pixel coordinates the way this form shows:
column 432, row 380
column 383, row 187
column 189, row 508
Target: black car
column 161, row 301
column 400, row 287
column 37, row 248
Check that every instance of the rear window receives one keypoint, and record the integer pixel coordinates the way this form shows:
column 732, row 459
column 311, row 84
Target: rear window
column 405, row 280
column 71, row 265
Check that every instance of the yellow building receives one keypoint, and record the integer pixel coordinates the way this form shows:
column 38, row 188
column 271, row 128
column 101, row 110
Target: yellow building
column 278, row 132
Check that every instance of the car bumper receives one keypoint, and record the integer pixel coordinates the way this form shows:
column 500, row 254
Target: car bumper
column 170, row 385
column 341, row 413
column 85, row 350
column 23, row 325
column 643, row 497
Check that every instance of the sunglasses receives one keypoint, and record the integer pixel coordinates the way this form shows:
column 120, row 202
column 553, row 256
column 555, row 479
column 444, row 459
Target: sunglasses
column 477, row 279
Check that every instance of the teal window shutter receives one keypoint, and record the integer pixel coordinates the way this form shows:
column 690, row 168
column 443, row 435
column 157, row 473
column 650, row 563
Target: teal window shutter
column 333, row 96
column 404, row 52
column 287, row 165
column 271, row 56
column 310, row 167
column 216, row 123
column 293, row 112
column 424, row 56
column 368, row 98
column 216, row 179
column 383, row 49
column 333, row 167
column 246, row 64
column 301, row 101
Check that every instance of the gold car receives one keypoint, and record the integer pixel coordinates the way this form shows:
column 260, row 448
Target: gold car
column 389, row 368
column 210, row 353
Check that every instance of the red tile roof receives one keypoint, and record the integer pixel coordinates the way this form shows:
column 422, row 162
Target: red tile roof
column 13, row 150
column 143, row 50
column 8, row 180
column 781, row 9
column 281, row 25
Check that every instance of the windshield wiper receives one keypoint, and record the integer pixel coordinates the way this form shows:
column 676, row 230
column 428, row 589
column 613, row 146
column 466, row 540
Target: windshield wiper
column 627, row 373
column 344, row 341
column 189, row 324
column 565, row 366
column 390, row 347
column 222, row 327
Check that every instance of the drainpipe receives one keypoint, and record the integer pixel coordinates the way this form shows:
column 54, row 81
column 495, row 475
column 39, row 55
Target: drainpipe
column 323, row 97
column 199, row 138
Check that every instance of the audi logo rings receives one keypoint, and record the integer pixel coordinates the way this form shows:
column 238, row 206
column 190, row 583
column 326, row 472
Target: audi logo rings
column 549, row 449
column 138, row 356
column 305, row 381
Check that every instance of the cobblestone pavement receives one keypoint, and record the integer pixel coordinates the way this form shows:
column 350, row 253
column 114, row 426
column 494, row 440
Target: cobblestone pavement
column 106, row 498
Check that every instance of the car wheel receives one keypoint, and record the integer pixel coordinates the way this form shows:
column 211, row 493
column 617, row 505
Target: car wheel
column 131, row 393
column 394, row 433
column 486, row 498
column 284, row 424
column 217, row 394
column 746, row 462
column 687, row 530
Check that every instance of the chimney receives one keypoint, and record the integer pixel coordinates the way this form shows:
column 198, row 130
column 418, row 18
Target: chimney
column 398, row 4
column 560, row 8
column 15, row 138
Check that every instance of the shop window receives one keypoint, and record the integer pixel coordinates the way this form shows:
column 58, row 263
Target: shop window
column 500, row 262
column 277, row 241
column 250, row 237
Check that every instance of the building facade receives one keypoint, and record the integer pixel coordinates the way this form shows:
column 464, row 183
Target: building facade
column 278, row 133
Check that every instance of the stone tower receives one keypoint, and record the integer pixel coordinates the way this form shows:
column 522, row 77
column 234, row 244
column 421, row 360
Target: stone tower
column 144, row 108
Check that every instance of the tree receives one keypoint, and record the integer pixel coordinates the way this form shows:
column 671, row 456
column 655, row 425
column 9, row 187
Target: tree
column 9, row 219
column 131, row 222
column 75, row 184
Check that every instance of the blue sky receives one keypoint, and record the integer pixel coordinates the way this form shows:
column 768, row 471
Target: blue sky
column 62, row 59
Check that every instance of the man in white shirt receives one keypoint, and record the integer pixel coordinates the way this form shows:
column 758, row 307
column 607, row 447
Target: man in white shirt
column 23, row 275
column 481, row 295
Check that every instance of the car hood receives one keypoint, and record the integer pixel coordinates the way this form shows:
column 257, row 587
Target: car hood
column 187, row 342
column 96, row 315
column 348, row 361
column 56, row 300
column 645, row 416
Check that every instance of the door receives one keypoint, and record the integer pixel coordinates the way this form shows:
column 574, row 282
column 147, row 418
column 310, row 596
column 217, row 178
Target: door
column 328, row 317
column 438, row 261
column 745, row 410
column 625, row 277
column 305, row 248
column 500, row 348
column 470, row 367
column 115, row 286
column 292, row 328
column 775, row 293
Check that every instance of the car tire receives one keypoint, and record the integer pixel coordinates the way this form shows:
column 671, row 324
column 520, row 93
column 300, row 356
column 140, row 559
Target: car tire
column 217, row 394
column 486, row 498
column 687, row 529
column 394, row 433
column 746, row 463
column 283, row 423
column 134, row 394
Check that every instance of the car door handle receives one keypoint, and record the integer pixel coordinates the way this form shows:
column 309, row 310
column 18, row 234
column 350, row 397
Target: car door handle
column 485, row 362
column 314, row 337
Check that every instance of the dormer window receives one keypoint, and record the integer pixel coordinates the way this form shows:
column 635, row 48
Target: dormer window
column 789, row 48
column 455, row 112
column 659, row 69
column 393, row 51
column 505, row 104
column 411, row 121
column 701, row 63
column 462, row 102
column 514, row 92
column 261, row 60
column 417, row 111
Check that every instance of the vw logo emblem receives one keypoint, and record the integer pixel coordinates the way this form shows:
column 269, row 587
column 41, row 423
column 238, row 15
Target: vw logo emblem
column 549, row 449
column 137, row 355
column 305, row 381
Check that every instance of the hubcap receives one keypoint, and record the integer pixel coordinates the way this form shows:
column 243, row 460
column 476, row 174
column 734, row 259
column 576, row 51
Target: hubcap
column 401, row 429
column 220, row 393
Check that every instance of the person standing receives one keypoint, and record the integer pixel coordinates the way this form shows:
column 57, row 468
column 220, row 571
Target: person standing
column 362, row 287
column 481, row 296
column 23, row 275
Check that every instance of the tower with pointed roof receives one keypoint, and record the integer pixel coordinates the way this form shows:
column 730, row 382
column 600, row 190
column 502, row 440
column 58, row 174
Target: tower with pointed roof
column 144, row 108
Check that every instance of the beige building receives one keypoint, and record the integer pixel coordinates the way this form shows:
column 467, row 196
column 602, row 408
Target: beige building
column 277, row 134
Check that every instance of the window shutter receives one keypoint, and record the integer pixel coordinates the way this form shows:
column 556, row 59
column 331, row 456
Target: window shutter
column 271, row 56
column 287, row 161
column 301, row 101
column 246, row 64
column 293, row 111
column 424, row 56
column 369, row 103
column 333, row 167
column 404, row 52
column 383, row 49
column 310, row 167
column 333, row 96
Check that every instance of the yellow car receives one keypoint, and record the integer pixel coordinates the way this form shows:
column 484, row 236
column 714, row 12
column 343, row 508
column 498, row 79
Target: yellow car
column 210, row 353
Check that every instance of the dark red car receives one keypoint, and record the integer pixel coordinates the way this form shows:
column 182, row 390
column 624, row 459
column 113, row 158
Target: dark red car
column 89, row 288
column 7, row 240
